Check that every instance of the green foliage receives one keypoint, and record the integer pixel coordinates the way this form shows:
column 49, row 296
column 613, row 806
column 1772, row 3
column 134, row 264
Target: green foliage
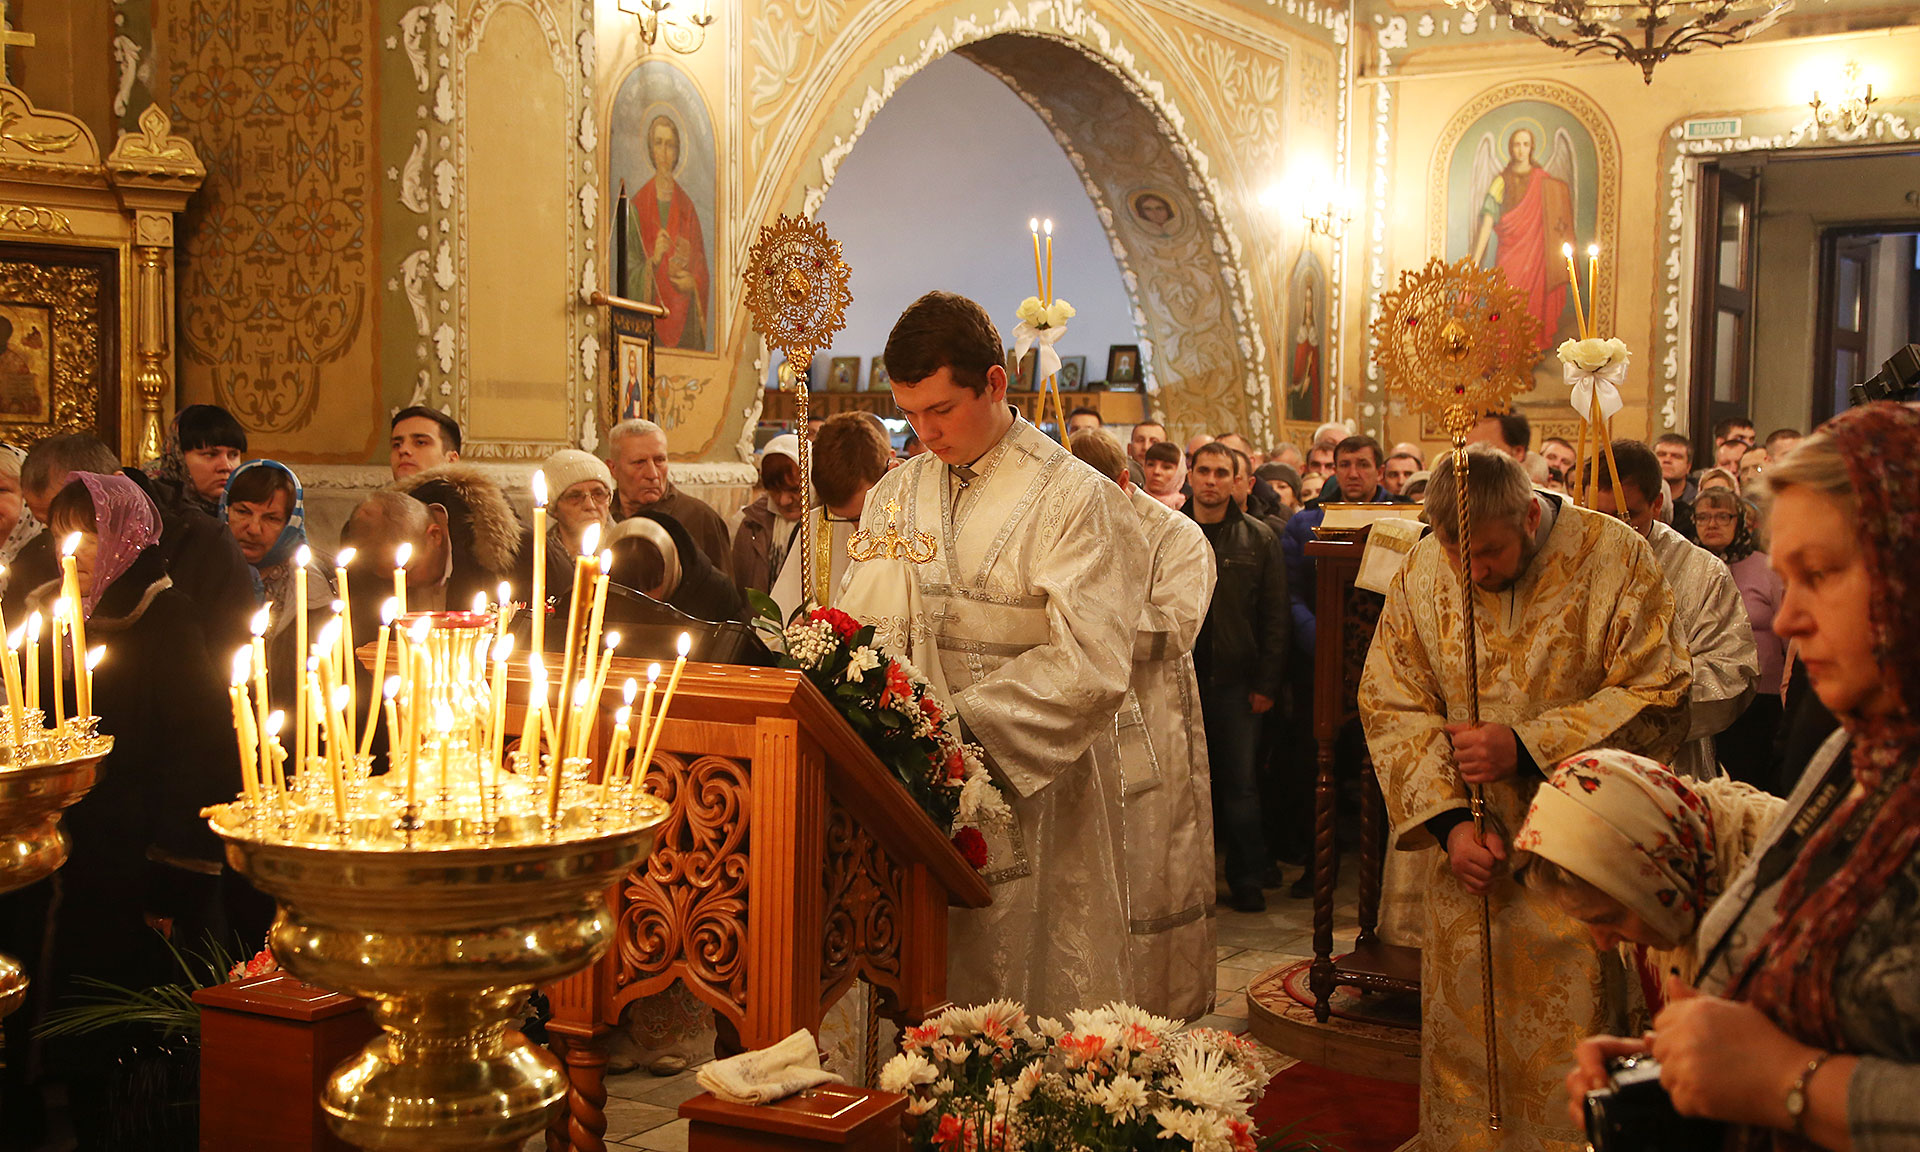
column 167, row 1008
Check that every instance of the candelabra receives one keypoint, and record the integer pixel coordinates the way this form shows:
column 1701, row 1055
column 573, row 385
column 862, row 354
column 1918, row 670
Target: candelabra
column 40, row 776
column 1844, row 112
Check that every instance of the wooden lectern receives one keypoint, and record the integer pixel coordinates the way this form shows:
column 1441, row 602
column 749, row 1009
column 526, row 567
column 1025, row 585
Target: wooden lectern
column 791, row 862
column 1345, row 617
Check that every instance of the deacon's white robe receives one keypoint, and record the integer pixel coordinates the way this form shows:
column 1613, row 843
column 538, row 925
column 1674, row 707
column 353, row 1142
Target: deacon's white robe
column 1710, row 616
column 1025, row 619
column 830, row 536
column 1167, row 785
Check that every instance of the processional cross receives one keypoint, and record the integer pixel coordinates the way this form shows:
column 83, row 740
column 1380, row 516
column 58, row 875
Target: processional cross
column 1458, row 339
column 11, row 39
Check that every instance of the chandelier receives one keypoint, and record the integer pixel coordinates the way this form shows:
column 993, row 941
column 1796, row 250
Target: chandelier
column 683, row 31
column 1844, row 111
column 1643, row 33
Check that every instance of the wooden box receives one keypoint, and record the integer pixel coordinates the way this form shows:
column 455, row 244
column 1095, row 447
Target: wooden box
column 267, row 1045
column 830, row 1116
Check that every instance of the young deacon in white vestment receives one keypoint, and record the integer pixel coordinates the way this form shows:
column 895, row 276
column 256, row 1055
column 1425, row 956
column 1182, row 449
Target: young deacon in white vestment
column 1166, row 783
column 1024, row 617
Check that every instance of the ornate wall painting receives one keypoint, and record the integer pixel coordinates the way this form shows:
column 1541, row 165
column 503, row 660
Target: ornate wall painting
column 662, row 148
column 1156, row 214
column 277, row 271
column 630, row 354
column 1303, row 354
column 1519, row 172
column 59, row 352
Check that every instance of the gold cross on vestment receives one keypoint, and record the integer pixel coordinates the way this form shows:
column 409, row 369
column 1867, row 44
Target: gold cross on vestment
column 892, row 544
column 11, row 39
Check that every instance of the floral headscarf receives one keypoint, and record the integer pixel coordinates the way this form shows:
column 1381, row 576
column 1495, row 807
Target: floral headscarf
column 172, row 466
column 126, row 523
column 1791, row 973
column 24, row 529
column 273, row 575
column 1632, row 829
column 1743, row 544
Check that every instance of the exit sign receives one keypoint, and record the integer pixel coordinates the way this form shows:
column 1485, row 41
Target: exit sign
column 1718, row 129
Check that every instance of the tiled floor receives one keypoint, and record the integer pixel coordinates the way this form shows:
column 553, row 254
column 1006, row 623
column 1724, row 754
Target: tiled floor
column 641, row 1107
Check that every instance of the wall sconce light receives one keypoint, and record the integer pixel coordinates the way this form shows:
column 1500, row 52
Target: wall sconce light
column 1324, row 206
column 1847, row 108
column 1328, row 218
column 662, row 20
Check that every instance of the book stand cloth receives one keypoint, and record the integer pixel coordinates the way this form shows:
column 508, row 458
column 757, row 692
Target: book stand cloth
column 791, row 863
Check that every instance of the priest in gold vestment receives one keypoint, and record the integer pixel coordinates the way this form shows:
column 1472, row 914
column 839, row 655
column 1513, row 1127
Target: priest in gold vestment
column 1023, row 616
column 1574, row 626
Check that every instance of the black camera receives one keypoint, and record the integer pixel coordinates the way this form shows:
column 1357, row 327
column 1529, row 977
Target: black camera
column 1634, row 1114
column 1898, row 379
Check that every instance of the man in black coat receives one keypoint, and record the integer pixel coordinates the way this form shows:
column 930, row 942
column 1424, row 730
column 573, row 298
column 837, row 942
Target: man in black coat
column 1240, row 658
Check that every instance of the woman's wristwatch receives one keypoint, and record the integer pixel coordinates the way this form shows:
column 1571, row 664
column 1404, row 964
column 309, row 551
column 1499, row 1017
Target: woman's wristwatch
column 1797, row 1094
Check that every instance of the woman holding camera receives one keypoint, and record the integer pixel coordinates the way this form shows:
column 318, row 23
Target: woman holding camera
column 1807, row 1028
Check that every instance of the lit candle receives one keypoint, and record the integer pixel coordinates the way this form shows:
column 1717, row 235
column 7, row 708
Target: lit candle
column 82, row 688
column 33, row 662
column 590, row 540
column 243, row 731
column 502, row 610
column 309, row 742
column 387, row 613
column 16, row 706
column 341, row 560
column 530, row 723
column 1039, row 277
column 606, row 665
column 401, row 555
column 539, row 603
column 619, row 749
column 646, row 723
column 666, row 701
column 1573, row 283
column 301, row 748
column 1593, row 287
column 390, row 691
column 336, row 756
column 496, row 745
column 1046, row 295
column 259, row 650
column 275, row 721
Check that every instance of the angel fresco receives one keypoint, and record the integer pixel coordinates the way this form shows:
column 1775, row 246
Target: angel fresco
column 1525, row 215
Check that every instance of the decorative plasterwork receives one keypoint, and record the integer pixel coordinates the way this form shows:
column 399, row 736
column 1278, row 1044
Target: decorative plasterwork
column 1373, row 398
column 1779, row 129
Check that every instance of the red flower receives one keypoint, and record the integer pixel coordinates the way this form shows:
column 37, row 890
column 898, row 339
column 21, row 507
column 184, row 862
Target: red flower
column 972, row 846
column 844, row 626
column 899, row 684
column 1242, row 1135
column 950, row 1132
column 930, row 708
column 261, row 964
column 956, row 765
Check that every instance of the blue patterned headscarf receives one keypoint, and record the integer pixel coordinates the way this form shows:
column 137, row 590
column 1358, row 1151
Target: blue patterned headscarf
column 274, row 568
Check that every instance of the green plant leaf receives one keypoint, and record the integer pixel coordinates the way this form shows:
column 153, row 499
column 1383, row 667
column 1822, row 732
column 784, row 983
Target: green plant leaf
column 764, row 606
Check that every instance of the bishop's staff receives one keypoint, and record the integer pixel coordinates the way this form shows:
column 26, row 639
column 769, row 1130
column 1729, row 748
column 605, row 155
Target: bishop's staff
column 797, row 290
column 1458, row 339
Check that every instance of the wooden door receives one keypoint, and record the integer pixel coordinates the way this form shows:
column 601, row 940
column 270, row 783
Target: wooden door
column 1846, row 302
column 1723, row 304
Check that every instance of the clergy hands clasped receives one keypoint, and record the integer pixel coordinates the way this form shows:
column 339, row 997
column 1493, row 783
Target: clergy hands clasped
column 1484, row 753
column 1475, row 856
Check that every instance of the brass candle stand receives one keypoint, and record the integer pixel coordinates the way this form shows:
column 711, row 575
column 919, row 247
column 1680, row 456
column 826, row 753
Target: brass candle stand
column 40, row 778
column 447, row 889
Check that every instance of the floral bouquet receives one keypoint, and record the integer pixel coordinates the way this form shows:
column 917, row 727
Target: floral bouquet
column 1041, row 324
column 983, row 1079
column 1595, row 366
column 894, row 709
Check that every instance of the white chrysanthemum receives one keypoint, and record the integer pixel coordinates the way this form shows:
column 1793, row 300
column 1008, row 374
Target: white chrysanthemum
column 1209, row 1078
column 1206, row 1131
column 1122, row 1097
column 906, row 1071
column 860, row 662
column 920, row 1106
column 1025, row 1083
column 980, row 801
column 1050, row 1028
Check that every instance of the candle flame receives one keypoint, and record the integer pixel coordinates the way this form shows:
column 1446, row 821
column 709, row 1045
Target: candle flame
column 71, row 544
column 402, row 554
column 539, row 489
column 1567, row 251
column 260, row 619
column 479, row 603
column 303, row 557
column 606, row 560
column 535, row 665
column 503, row 595
column 33, row 628
column 61, row 609
column 15, row 637
column 339, row 607
column 590, row 540
column 580, row 690
column 389, row 610
column 685, row 645
column 613, row 641
column 391, row 688
column 242, row 665
column 503, row 648
column 653, row 673
column 1033, row 225
column 343, row 559
column 276, row 720
column 621, row 717
column 629, row 690
column 339, row 697
column 95, row 655
column 442, row 718
column 329, row 636
column 418, row 633
column 1047, row 226
column 1593, row 249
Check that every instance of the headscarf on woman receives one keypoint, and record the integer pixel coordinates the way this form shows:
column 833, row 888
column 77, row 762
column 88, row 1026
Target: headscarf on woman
column 273, row 576
column 1744, row 544
column 172, row 467
column 1790, row 975
column 26, row 527
column 1662, row 846
column 126, row 523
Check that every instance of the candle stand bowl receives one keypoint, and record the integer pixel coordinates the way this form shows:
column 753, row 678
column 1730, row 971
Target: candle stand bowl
column 33, row 846
column 444, row 943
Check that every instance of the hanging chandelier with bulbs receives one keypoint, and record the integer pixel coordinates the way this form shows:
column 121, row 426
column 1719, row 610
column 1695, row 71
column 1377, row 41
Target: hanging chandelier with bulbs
column 1642, row 32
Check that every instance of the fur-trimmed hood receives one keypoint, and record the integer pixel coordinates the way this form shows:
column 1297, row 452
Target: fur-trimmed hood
column 479, row 517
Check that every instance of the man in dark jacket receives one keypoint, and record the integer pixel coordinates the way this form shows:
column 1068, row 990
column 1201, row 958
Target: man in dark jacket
column 1356, row 480
column 1240, row 658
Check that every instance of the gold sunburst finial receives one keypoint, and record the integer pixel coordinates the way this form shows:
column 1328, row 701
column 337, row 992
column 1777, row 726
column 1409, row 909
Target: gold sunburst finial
column 1457, row 340
column 892, row 543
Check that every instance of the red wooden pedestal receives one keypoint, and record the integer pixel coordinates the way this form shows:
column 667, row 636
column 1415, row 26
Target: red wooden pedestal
column 832, row 1116
column 267, row 1044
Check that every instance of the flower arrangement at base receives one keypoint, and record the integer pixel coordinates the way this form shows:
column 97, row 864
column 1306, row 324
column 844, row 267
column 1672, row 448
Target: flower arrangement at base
column 985, row 1079
column 895, row 710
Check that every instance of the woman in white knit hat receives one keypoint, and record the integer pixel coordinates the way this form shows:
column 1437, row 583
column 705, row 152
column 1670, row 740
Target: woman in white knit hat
column 580, row 492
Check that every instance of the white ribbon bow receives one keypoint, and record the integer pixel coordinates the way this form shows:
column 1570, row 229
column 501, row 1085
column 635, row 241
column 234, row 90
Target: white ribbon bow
column 1584, row 382
column 1025, row 336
